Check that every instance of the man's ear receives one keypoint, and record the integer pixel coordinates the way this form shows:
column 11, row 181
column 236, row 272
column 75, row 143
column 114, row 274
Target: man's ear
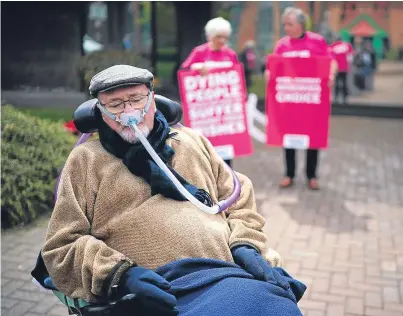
column 154, row 104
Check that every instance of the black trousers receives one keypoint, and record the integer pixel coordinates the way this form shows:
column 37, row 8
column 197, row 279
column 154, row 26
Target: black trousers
column 341, row 80
column 311, row 162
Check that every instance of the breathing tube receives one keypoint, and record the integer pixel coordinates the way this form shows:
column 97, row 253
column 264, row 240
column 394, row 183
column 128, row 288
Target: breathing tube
column 132, row 120
column 136, row 117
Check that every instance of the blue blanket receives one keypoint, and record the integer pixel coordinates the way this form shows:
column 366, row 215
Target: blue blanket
column 208, row 287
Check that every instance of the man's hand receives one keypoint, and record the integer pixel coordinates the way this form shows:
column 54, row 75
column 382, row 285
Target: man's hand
column 333, row 71
column 251, row 261
column 202, row 67
column 204, row 71
column 331, row 81
column 150, row 289
column 267, row 75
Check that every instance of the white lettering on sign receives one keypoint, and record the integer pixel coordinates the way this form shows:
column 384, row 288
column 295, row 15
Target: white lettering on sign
column 297, row 53
column 228, row 128
column 213, row 94
column 217, row 79
column 298, row 90
column 296, row 97
column 340, row 48
column 216, row 103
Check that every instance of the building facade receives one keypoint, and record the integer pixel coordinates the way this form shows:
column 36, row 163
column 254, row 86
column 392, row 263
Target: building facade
column 375, row 21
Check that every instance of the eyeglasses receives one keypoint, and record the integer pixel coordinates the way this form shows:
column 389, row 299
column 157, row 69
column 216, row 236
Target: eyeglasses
column 137, row 102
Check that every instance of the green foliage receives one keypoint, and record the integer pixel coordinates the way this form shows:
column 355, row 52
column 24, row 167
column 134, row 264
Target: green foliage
column 51, row 113
column 392, row 54
column 33, row 152
column 95, row 62
column 167, row 51
column 258, row 86
column 164, row 71
column 167, row 54
column 166, row 24
column 224, row 13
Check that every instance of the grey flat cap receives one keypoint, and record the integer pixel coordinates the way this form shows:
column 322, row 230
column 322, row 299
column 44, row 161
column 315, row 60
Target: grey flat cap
column 119, row 76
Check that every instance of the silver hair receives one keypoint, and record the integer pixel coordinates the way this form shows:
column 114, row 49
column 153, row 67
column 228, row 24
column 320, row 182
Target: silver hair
column 250, row 44
column 299, row 14
column 217, row 26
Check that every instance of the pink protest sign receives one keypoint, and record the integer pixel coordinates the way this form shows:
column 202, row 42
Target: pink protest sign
column 215, row 106
column 298, row 102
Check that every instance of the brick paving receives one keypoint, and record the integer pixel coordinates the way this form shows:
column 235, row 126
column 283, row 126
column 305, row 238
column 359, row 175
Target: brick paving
column 345, row 241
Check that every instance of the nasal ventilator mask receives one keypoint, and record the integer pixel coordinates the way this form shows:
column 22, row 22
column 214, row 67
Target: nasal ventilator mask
column 136, row 117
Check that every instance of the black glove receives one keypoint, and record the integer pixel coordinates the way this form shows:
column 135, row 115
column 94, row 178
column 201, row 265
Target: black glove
column 150, row 289
column 251, row 261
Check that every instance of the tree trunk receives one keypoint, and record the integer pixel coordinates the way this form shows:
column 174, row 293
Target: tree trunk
column 191, row 17
column 136, row 27
column 276, row 22
column 154, row 46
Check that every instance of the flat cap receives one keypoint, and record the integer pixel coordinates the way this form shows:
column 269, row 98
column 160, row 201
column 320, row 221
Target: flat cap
column 119, row 76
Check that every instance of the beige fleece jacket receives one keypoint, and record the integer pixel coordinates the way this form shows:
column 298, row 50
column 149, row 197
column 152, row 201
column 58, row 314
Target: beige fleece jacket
column 106, row 216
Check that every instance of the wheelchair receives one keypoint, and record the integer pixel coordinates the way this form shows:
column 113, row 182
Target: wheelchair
column 85, row 122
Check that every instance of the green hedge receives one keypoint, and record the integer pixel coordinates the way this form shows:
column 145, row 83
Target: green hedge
column 93, row 63
column 258, row 86
column 33, row 151
column 392, row 54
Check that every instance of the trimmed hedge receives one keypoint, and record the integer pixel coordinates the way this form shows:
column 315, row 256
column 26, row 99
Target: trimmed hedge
column 95, row 62
column 33, row 153
column 392, row 54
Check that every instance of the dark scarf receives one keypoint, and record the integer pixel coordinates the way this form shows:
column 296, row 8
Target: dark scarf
column 139, row 162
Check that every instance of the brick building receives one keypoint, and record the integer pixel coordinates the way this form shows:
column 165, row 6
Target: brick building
column 43, row 46
column 377, row 21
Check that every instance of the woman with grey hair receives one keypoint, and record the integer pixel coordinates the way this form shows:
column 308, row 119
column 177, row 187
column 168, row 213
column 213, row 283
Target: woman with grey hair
column 301, row 43
column 214, row 53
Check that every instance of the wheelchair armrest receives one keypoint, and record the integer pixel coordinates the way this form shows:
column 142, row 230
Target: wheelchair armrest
column 85, row 119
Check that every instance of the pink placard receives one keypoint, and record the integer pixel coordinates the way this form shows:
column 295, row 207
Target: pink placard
column 215, row 105
column 298, row 102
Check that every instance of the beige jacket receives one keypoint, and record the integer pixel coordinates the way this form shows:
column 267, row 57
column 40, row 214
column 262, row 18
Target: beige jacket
column 105, row 218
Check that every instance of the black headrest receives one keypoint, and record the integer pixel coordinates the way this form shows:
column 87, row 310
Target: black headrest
column 85, row 120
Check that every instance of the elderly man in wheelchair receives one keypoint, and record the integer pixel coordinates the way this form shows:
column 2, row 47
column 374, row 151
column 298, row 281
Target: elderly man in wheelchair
column 149, row 220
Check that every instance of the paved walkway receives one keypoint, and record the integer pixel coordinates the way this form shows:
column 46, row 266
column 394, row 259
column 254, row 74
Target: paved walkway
column 345, row 241
column 388, row 87
column 388, row 91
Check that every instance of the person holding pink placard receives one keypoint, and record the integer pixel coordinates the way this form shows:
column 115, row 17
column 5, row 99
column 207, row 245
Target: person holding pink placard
column 214, row 53
column 300, row 43
column 343, row 54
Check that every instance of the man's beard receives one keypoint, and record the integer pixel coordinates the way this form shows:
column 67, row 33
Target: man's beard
column 128, row 135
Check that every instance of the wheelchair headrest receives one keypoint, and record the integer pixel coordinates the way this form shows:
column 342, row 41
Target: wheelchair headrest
column 85, row 119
